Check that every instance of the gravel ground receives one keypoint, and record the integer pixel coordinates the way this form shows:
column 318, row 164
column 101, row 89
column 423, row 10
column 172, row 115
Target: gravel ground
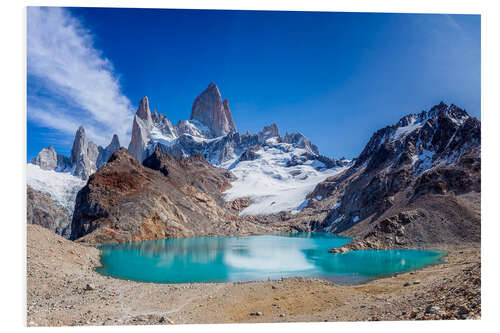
column 63, row 289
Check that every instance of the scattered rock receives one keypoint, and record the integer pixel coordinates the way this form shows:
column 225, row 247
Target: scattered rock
column 89, row 287
column 432, row 309
column 258, row 313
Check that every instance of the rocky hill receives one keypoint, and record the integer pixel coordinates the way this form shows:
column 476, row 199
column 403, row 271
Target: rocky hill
column 163, row 197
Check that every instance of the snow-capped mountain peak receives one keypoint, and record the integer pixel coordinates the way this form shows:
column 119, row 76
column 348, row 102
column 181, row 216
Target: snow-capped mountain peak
column 435, row 137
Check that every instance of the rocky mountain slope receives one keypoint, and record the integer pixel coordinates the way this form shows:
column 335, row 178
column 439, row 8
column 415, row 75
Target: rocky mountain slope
column 51, row 198
column 43, row 211
column 163, row 197
column 54, row 180
column 416, row 182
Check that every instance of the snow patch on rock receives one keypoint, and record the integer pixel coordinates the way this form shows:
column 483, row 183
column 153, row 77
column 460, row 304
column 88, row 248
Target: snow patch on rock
column 405, row 130
column 61, row 186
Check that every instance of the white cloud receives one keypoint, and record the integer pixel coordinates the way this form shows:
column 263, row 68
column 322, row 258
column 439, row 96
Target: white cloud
column 62, row 57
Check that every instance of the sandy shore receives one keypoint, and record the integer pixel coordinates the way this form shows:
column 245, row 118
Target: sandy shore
column 64, row 289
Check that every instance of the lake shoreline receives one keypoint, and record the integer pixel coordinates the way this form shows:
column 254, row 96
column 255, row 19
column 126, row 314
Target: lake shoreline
column 64, row 289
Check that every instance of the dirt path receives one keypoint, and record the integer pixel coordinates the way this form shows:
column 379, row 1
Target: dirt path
column 60, row 270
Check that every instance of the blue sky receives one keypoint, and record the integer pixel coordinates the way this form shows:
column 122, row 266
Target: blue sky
column 335, row 77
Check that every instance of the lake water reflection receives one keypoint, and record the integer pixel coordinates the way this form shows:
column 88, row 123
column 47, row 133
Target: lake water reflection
column 218, row 259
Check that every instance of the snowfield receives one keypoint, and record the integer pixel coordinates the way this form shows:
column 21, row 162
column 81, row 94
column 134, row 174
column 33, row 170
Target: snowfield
column 271, row 185
column 405, row 130
column 61, row 186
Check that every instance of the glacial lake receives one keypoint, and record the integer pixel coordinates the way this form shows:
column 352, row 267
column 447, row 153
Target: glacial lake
column 250, row 258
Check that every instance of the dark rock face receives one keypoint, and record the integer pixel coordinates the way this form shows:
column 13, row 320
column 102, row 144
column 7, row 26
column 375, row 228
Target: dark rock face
column 126, row 201
column 386, row 234
column 302, row 142
column 210, row 110
column 43, row 211
column 425, row 162
column 215, row 152
column 250, row 154
column 327, row 162
column 157, row 162
column 269, row 132
column 105, row 153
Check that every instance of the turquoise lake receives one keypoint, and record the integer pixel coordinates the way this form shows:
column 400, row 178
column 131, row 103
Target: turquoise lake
column 249, row 258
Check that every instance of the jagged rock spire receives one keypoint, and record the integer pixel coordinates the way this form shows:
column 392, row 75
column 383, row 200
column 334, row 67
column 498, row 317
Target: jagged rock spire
column 84, row 155
column 143, row 110
column 115, row 143
column 80, row 145
column 141, row 130
column 209, row 109
column 268, row 132
column 105, row 153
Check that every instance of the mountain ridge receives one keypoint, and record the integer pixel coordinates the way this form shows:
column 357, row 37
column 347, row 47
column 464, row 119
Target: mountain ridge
column 285, row 178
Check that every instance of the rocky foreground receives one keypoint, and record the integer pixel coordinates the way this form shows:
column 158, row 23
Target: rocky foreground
column 63, row 289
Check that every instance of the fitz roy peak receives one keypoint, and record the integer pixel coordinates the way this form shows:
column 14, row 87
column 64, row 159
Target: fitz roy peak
column 282, row 169
column 211, row 111
column 210, row 131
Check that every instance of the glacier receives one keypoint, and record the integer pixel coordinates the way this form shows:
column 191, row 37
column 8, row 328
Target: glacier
column 272, row 185
column 61, row 186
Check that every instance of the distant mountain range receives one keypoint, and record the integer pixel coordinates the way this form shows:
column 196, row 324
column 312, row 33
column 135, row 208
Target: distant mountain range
column 272, row 177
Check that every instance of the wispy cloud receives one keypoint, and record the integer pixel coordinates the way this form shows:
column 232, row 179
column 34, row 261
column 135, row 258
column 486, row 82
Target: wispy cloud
column 71, row 72
column 453, row 23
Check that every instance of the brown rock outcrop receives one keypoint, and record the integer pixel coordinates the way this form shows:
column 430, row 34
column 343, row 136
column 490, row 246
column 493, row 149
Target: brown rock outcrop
column 166, row 197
